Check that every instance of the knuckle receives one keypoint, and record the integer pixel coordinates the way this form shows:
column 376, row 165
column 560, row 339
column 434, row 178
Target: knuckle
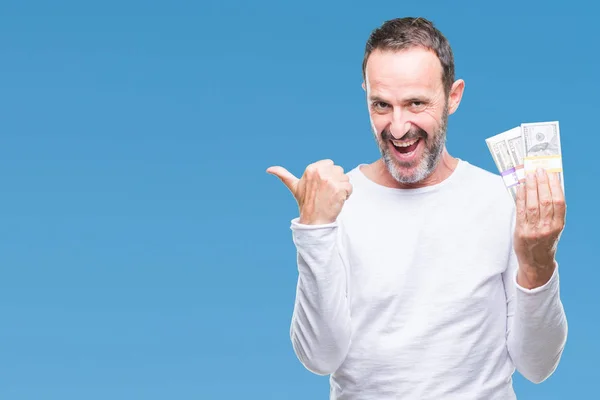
column 547, row 226
column 527, row 234
column 546, row 231
column 522, row 237
column 521, row 234
column 532, row 210
column 546, row 202
column 347, row 190
column 531, row 236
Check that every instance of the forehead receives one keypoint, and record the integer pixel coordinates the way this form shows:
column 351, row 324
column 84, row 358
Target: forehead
column 413, row 68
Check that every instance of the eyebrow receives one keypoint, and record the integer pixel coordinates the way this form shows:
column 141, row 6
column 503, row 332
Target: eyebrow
column 377, row 98
column 411, row 98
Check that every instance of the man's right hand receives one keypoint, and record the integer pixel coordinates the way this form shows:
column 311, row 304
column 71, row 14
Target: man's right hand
column 320, row 193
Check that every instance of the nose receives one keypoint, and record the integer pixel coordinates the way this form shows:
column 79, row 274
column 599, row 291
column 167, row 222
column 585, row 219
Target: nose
column 399, row 125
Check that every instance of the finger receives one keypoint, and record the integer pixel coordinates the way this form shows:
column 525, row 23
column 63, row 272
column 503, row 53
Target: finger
column 531, row 200
column 346, row 188
column 544, row 196
column 338, row 170
column 286, row 177
column 319, row 168
column 521, row 205
column 323, row 163
column 558, row 198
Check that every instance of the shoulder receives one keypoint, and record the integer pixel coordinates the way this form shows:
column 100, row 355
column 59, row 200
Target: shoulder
column 354, row 173
column 487, row 187
column 364, row 193
column 482, row 176
column 358, row 179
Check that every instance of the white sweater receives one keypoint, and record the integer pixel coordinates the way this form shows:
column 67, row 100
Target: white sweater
column 412, row 294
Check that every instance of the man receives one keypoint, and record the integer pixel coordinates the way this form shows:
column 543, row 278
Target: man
column 419, row 277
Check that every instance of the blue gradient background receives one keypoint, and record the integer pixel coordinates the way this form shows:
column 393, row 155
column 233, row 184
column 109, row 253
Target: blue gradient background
column 144, row 251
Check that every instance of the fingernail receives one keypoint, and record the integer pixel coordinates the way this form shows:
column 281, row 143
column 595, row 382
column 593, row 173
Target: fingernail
column 540, row 172
column 530, row 176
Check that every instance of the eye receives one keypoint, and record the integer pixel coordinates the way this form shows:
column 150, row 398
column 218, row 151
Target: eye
column 417, row 105
column 380, row 106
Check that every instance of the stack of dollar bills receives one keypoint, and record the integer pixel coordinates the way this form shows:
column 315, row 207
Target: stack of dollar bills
column 525, row 148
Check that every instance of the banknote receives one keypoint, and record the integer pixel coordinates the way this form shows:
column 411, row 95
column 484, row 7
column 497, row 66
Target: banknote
column 514, row 139
column 523, row 149
column 542, row 147
column 501, row 146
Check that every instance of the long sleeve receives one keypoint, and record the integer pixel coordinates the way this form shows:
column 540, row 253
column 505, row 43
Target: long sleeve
column 537, row 325
column 320, row 328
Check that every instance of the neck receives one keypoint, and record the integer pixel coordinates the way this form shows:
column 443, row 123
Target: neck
column 378, row 173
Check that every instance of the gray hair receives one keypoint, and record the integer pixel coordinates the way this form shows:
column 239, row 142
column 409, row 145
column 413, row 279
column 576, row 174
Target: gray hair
column 404, row 33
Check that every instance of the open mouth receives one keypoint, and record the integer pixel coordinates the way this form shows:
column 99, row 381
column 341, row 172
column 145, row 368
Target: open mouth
column 406, row 148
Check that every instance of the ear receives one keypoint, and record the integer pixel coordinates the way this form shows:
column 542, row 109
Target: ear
column 364, row 87
column 455, row 96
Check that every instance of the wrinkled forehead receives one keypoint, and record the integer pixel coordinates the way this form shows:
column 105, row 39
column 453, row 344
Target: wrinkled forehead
column 413, row 68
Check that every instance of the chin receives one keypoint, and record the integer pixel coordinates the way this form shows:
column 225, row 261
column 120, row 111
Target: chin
column 408, row 175
column 414, row 163
column 415, row 173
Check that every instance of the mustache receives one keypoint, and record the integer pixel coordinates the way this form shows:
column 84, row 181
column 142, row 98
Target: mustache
column 413, row 133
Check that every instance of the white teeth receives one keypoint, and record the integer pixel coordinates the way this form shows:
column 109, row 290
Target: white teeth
column 404, row 144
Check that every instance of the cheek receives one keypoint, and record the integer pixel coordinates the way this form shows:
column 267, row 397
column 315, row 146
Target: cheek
column 378, row 122
column 427, row 120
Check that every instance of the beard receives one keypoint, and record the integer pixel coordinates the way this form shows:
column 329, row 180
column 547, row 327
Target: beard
column 418, row 170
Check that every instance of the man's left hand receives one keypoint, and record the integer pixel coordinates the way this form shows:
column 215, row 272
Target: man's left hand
column 540, row 221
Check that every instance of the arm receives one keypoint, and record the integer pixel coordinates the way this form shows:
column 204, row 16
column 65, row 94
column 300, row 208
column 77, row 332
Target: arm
column 536, row 324
column 320, row 329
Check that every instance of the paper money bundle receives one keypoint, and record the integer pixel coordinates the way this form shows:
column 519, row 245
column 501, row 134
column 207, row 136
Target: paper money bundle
column 523, row 149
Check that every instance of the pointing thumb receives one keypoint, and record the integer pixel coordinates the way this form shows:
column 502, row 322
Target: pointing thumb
column 286, row 177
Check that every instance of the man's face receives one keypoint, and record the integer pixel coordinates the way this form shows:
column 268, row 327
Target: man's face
column 408, row 110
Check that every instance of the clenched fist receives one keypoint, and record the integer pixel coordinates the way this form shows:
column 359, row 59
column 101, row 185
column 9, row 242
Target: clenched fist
column 320, row 193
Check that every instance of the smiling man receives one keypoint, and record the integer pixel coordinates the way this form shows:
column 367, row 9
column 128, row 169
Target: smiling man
column 419, row 277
